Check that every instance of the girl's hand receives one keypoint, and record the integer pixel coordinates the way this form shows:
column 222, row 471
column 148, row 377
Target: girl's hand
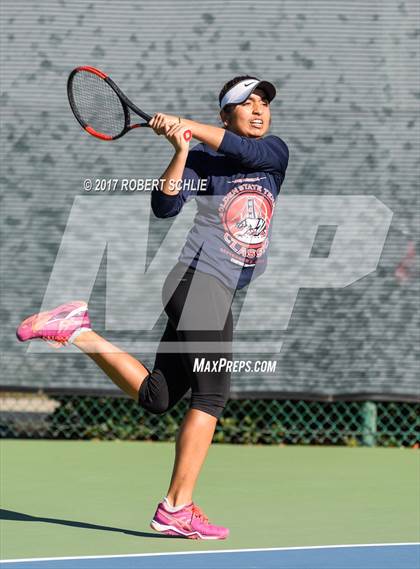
column 175, row 134
column 161, row 120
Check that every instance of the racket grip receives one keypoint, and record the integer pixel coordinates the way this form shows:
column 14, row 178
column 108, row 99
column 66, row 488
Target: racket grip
column 187, row 135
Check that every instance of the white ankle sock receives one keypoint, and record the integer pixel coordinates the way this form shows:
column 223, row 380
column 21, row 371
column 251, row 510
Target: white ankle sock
column 76, row 333
column 172, row 508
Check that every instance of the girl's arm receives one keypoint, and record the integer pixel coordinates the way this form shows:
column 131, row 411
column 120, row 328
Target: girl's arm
column 210, row 135
column 168, row 201
column 173, row 173
column 267, row 154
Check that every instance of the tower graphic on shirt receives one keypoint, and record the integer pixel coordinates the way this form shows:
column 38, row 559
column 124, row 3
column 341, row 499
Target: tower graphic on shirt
column 252, row 224
column 245, row 213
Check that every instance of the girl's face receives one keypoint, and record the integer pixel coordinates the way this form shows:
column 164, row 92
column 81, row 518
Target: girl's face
column 251, row 118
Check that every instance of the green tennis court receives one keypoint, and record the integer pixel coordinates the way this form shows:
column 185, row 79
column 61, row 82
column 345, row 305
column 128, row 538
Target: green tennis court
column 69, row 498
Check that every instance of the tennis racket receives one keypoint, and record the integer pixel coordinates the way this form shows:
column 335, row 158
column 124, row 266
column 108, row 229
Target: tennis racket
column 101, row 107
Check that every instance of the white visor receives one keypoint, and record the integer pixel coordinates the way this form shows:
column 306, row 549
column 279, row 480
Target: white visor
column 241, row 91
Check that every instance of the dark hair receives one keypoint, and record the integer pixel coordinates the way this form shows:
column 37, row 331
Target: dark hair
column 231, row 84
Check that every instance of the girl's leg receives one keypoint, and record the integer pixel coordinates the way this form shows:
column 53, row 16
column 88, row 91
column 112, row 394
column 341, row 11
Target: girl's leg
column 193, row 441
column 124, row 370
column 210, row 390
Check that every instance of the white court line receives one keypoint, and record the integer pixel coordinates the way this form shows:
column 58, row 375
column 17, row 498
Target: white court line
column 209, row 551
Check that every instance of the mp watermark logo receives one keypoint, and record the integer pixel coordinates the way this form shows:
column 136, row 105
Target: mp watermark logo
column 121, row 229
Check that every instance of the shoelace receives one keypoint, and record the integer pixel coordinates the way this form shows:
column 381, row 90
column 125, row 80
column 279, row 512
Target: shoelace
column 54, row 338
column 55, row 341
column 199, row 514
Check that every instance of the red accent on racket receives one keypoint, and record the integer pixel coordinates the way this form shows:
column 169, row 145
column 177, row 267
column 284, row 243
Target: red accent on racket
column 100, row 107
column 93, row 132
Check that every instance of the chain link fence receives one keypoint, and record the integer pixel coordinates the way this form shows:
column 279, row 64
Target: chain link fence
column 245, row 421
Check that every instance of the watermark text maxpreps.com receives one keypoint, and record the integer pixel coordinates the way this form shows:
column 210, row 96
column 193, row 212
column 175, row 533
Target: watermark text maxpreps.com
column 234, row 366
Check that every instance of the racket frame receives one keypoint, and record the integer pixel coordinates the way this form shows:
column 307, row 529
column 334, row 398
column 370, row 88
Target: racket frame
column 125, row 103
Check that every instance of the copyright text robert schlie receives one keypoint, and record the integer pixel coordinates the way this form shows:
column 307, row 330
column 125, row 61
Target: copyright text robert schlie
column 102, row 185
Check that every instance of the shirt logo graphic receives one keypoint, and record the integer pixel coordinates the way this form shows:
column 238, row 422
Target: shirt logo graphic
column 246, row 213
column 251, row 225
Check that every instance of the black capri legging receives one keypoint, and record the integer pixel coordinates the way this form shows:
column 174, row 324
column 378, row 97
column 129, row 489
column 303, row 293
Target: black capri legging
column 208, row 322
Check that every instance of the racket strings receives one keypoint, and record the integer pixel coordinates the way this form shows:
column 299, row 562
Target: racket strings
column 97, row 104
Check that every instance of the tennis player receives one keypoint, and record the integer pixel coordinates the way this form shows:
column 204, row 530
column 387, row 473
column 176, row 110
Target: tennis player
column 225, row 249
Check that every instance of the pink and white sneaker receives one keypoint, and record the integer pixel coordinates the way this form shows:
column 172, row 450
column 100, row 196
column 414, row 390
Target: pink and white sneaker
column 190, row 522
column 56, row 326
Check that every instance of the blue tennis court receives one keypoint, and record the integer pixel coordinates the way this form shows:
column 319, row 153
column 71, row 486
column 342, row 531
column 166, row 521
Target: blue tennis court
column 381, row 556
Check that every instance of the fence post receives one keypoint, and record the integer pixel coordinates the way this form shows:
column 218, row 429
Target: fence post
column 369, row 423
